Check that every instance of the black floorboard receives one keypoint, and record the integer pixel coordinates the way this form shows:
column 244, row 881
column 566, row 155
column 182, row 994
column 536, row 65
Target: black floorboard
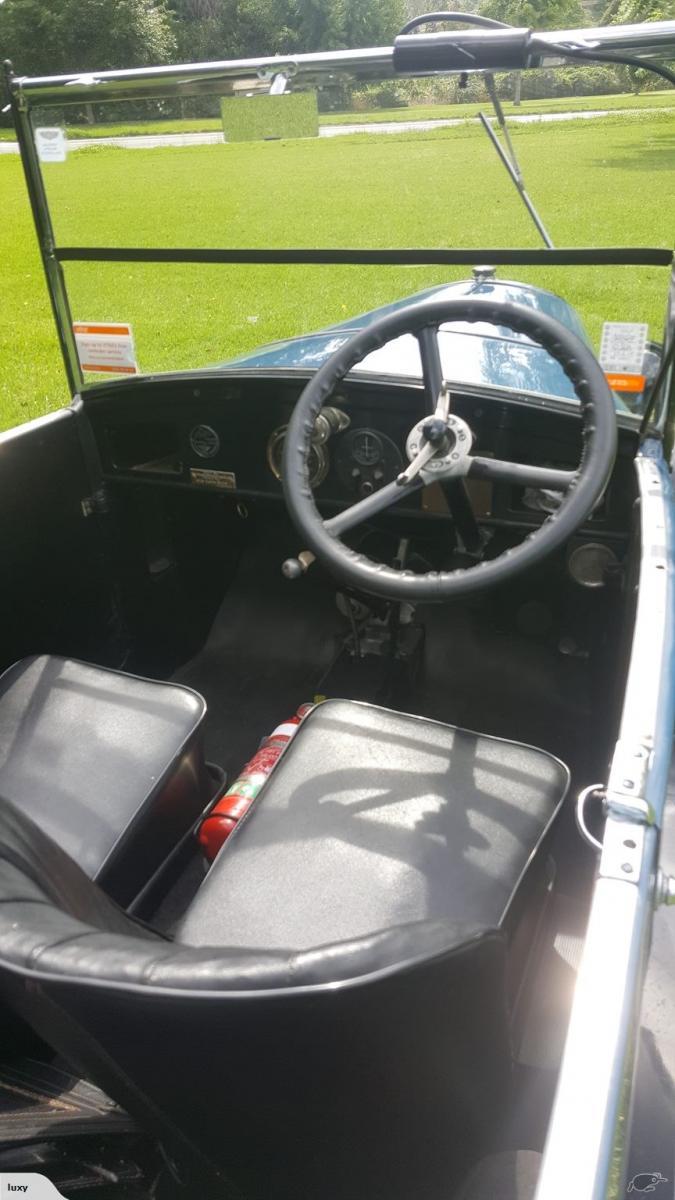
column 268, row 647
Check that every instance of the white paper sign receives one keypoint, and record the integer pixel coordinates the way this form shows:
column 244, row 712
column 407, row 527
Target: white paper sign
column 622, row 347
column 106, row 348
column 51, row 144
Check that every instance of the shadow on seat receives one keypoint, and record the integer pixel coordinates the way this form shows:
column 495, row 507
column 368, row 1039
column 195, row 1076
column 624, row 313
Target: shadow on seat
column 332, row 1021
column 111, row 766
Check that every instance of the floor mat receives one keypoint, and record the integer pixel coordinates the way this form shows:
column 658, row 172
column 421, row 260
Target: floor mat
column 273, row 641
column 270, row 644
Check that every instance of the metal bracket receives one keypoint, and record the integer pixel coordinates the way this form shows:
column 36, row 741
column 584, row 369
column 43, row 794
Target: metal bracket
column 627, row 782
column 279, row 84
column 628, row 814
column 98, row 504
column 622, row 851
column 287, row 68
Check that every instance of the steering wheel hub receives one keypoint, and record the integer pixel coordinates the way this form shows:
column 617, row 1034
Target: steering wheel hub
column 453, row 449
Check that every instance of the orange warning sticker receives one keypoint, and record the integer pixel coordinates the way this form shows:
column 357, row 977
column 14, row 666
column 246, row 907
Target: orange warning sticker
column 626, row 383
column 105, row 347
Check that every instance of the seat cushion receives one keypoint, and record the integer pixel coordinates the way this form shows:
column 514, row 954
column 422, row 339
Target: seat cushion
column 108, row 765
column 373, row 820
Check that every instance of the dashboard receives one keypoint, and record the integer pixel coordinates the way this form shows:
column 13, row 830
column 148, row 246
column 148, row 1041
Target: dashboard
column 225, row 434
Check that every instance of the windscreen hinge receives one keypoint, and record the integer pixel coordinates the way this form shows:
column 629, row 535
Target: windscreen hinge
column 664, row 893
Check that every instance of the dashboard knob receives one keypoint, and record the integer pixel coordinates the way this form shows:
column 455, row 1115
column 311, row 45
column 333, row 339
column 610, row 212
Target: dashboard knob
column 293, row 568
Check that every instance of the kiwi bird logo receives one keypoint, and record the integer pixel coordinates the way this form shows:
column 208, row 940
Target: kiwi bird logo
column 648, row 1181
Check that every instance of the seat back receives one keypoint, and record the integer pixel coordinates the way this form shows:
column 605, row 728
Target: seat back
column 281, row 1074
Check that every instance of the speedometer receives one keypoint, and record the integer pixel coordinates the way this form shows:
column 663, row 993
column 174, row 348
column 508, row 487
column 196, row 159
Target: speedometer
column 318, row 457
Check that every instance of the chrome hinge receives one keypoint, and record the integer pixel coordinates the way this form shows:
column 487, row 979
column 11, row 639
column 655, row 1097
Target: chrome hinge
column 664, row 892
column 625, row 797
column 628, row 814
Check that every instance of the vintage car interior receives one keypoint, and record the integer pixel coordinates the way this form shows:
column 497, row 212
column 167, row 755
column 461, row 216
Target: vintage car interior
column 366, row 993
column 336, row 703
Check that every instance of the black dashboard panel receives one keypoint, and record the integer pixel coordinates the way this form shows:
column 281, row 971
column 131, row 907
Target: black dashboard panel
column 212, row 433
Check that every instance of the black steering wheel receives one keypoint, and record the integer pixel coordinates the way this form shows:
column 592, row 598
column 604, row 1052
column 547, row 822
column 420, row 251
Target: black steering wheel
column 439, row 449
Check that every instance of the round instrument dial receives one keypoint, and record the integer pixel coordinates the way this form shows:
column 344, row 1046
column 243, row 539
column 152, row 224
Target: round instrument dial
column 366, row 448
column 204, row 441
column 366, row 460
column 318, row 457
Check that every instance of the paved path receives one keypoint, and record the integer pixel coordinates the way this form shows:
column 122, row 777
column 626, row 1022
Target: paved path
column 156, row 140
column 520, row 119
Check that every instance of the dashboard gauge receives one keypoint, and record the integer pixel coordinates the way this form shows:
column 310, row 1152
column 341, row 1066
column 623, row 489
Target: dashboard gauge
column 366, row 460
column 318, row 457
column 204, row 441
column 366, row 447
column 590, row 563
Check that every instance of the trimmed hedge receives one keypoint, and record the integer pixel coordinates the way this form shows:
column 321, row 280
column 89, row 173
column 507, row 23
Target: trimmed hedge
column 256, row 118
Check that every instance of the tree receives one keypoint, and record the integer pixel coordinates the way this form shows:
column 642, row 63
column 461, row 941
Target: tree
column 213, row 29
column 372, row 22
column 634, row 12
column 84, row 35
column 536, row 14
column 321, row 24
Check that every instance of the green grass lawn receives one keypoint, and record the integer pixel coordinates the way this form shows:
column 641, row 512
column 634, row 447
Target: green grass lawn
column 419, row 112
column 598, row 182
column 438, row 112
column 135, row 128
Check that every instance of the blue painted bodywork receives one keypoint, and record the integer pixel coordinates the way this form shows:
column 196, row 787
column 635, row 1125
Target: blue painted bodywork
column 479, row 355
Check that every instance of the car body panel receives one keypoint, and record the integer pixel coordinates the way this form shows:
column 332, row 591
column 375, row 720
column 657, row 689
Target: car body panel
column 479, row 354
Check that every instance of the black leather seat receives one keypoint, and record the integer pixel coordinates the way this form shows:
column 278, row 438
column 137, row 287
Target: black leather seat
column 111, row 766
column 374, row 820
column 332, row 1021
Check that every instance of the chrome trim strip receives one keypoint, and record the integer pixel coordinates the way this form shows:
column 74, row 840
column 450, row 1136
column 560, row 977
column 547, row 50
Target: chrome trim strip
column 647, row 717
column 655, row 39
column 585, row 1149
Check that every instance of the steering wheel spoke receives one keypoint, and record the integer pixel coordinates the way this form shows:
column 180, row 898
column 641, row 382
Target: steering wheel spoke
column 432, row 370
column 461, row 511
column 370, row 506
column 497, row 470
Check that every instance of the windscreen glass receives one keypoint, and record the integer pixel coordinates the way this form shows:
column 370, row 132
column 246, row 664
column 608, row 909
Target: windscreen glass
column 153, row 175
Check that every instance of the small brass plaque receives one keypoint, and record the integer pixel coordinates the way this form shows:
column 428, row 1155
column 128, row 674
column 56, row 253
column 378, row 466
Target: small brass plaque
column 214, row 479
